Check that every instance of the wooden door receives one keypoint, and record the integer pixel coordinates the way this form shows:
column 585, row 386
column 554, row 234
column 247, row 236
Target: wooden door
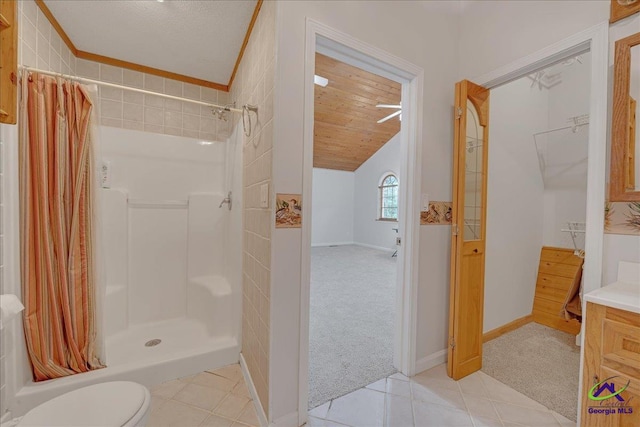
column 466, row 301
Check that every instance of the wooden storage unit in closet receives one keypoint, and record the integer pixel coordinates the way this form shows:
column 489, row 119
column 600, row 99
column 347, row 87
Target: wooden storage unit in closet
column 557, row 272
column 611, row 353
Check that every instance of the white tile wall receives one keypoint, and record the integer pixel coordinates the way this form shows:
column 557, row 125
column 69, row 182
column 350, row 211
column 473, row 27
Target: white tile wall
column 40, row 45
column 131, row 110
column 254, row 85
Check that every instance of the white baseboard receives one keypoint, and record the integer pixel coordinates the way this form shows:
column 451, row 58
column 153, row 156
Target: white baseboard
column 364, row 245
column 432, row 360
column 289, row 420
column 262, row 416
column 324, row 245
column 380, row 248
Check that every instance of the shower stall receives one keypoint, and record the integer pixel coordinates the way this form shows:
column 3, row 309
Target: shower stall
column 169, row 267
column 170, row 258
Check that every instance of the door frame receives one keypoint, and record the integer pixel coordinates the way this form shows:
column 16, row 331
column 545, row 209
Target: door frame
column 595, row 40
column 370, row 58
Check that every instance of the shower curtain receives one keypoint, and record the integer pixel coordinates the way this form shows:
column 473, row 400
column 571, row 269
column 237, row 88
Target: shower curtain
column 57, row 226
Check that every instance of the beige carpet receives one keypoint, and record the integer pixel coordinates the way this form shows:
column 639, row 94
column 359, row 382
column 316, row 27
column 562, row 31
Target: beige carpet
column 353, row 291
column 539, row 362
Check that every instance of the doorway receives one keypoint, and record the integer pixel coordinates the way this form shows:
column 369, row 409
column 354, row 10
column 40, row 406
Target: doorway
column 355, row 203
column 466, row 331
column 336, row 45
column 536, row 216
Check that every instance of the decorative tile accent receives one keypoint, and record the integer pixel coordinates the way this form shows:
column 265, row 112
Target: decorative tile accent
column 439, row 213
column 288, row 210
column 622, row 218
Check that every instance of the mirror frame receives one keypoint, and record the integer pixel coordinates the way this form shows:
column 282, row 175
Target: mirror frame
column 620, row 11
column 620, row 123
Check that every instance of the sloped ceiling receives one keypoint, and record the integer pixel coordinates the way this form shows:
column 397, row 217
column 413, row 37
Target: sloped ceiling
column 198, row 39
column 345, row 130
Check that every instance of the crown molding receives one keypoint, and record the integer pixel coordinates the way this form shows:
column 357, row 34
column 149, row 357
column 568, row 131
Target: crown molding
column 143, row 68
column 247, row 36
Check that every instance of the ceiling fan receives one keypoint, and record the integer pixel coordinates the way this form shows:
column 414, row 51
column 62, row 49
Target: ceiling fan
column 392, row 115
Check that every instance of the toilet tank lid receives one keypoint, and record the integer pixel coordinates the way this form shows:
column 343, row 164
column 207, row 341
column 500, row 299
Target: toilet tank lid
column 107, row 404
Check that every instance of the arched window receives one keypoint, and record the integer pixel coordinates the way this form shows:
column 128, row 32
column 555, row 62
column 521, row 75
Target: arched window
column 388, row 198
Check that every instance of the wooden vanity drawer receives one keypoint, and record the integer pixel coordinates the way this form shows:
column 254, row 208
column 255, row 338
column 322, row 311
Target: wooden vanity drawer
column 621, row 347
column 611, row 359
column 620, row 380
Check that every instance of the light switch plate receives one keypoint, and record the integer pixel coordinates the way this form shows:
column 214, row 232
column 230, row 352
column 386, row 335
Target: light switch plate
column 264, row 195
column 425, row 203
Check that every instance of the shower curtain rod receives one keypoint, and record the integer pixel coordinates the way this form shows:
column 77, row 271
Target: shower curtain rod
column 134, row 89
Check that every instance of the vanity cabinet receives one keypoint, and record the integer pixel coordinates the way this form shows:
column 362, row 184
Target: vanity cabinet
column 611, row 362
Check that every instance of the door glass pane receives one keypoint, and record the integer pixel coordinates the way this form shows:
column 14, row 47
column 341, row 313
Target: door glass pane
column 473, row 176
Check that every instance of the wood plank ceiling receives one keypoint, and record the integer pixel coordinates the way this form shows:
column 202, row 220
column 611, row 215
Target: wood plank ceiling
column 345, row 130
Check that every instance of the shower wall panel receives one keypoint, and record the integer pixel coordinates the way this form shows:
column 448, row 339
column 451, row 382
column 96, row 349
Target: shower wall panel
column 206, row 235
column 161, row 223
column 158, row 264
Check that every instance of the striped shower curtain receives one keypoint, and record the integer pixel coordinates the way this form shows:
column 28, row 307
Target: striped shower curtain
column 57, row 227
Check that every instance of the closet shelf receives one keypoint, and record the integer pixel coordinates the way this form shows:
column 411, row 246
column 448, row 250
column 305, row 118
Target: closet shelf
column 576, row 123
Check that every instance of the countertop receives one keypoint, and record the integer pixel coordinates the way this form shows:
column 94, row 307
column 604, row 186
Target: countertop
column 622, row 295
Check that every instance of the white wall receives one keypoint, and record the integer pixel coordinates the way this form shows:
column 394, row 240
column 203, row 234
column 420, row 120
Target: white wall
column 514, row 202
column 618, row 247
column 17, row 366
column 567, row 153
column 369, row 230
column 8, row 267
column 424, row 33
column 332, row 207
column 345, row 204
column 562, row 205
column 494, row 33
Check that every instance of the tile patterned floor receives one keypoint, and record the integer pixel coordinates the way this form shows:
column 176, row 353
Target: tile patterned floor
column 220, row 398
column 433, row 399
column 217, row 398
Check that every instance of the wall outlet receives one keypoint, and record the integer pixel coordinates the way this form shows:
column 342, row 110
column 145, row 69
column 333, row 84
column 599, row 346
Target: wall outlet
column 106, row 174
column 264, row 195
column 425, row 203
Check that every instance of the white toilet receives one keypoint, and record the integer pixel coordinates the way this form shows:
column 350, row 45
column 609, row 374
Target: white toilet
column 114, row 404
